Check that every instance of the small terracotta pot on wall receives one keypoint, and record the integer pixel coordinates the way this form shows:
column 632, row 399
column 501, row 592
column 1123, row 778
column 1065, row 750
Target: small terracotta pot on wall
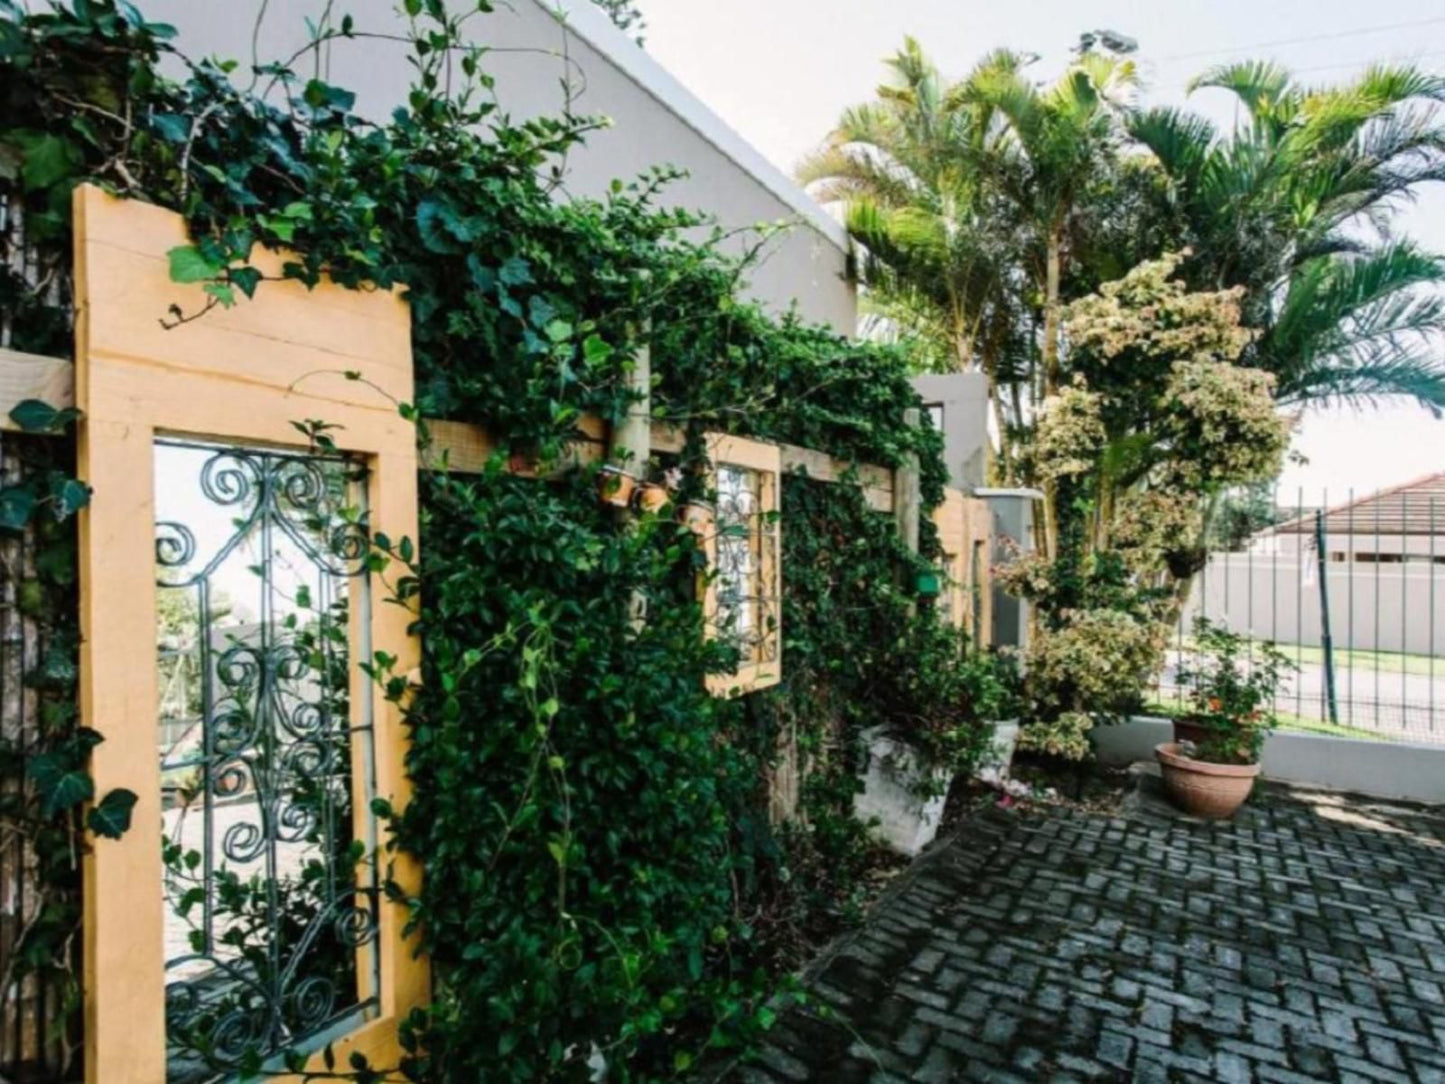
column 1203, row 789
column 652, row 497
column 615, row 486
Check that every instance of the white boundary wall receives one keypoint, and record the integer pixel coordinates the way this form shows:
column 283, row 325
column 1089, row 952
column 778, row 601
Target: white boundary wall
column 1388, row 607
column 1382, row 769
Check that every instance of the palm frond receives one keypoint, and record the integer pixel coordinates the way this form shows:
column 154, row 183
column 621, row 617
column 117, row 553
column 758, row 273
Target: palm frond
column 1417, row 373
column 1262, row 85
column 1181, row 141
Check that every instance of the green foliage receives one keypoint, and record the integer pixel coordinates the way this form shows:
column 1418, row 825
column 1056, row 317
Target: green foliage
column 601, row 881
column 43, row 760
column 1233, row 683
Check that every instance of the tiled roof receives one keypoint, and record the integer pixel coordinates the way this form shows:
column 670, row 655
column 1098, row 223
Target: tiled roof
column 1414, row 508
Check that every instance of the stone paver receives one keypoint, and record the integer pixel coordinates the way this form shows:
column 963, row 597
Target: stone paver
column 1304, row 941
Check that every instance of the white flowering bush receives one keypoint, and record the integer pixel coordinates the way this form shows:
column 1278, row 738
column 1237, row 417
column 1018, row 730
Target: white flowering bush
column 1069, row 435
column 1223, row 425
column 1095, row 660
column 1156, row 414
column 1066, row 736
column 1146, row 315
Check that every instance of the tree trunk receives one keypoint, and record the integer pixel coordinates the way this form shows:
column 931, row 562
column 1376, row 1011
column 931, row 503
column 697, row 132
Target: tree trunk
column 1051, row 311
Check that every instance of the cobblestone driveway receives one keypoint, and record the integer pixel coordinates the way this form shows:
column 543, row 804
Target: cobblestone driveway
column 1304, row 941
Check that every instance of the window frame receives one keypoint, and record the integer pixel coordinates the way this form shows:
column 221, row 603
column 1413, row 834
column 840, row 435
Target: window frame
column 766, row 461
column 243, row 375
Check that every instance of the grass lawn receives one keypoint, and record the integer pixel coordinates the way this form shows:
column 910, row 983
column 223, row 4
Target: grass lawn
column 1290, row 721
column 1358, row 658
column 1387, row 662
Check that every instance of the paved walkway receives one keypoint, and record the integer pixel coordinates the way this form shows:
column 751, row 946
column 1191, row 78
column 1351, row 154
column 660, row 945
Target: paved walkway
column 1304, row 941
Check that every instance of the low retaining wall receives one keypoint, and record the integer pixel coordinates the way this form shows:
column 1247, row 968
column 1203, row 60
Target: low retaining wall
column 1381, row 769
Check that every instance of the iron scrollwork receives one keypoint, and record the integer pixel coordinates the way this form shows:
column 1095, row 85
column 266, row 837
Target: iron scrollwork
column 271, row 899
column 746, row 614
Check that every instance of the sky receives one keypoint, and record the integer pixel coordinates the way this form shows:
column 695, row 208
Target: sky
column 780, row 71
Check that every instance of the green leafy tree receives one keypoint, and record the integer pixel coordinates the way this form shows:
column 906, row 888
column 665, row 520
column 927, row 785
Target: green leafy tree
column 1295, row 204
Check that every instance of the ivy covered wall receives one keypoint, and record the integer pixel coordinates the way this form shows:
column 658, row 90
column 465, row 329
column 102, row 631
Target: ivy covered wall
column 602, row 883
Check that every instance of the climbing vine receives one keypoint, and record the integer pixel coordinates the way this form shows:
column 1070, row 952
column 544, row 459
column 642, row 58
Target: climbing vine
column 603, row 887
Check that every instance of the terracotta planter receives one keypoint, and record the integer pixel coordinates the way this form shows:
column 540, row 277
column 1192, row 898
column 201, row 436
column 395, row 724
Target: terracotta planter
column 697, row 517
column 652, row 497
column 1202, row 789
column 615, row 486
column 1189, row 728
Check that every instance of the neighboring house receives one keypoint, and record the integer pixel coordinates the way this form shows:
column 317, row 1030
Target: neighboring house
column 1404, row 524
column 956, row 404
column 537, row 47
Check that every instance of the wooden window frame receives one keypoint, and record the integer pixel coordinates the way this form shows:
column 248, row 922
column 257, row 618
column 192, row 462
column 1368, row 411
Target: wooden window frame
column 242, row 375
column 767, row 461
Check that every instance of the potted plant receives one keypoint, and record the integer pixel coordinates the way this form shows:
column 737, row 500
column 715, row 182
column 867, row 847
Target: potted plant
column 1232, row 686
column 939, row 722
column 653, row 496
column 615, row 485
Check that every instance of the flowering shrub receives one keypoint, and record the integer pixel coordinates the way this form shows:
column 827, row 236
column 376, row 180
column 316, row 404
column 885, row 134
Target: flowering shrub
column 1066, row 737
column 1232, row 686
column 1093, row 660
column 1147, row 315
column 1155, row 524
column 1156, row 415
column 1069, row 433
column 1222, row 421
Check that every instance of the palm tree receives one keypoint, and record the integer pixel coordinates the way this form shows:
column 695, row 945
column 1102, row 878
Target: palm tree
column 1052, row 144
column 906, row 169
column 1295, row 206
column 960, row 198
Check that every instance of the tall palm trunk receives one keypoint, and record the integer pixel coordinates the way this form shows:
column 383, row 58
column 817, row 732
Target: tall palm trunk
column 1050, row 366
column 1052, row 271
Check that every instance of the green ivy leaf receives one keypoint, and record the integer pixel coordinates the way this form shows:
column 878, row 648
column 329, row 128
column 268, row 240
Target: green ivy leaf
column 171, row 126
column 111, row 817
column 222, row 292
column 48, row 160
column 247, row 279
column 60, row 786
column 38, row 416
column 70, row 497
column 188, row 264
column 17, row 503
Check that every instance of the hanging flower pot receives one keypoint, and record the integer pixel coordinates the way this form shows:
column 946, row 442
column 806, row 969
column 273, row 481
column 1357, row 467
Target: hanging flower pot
column 697, row 516
column 652, row 497
column 616, row 486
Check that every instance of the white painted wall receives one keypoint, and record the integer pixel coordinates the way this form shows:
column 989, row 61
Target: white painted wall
column 1385, row 607
column 962, row 401
column 656, row 120
column 1383, row 769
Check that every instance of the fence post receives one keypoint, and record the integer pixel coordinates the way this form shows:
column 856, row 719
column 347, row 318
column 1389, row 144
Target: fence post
column 907, row 490
column 1326, row 641
column 632, row 437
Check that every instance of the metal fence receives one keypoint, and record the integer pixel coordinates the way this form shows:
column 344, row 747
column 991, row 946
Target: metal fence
column 1351, row 589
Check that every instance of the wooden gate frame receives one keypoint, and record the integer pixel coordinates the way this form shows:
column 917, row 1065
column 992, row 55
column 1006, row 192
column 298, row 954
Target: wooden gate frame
column 242, row 375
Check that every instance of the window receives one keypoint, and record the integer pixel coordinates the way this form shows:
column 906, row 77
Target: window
column 271, row 892
column 934, row 412
column 743, row 591
column 225, row 608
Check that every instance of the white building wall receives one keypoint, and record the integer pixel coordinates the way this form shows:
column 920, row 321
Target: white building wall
column 656, row 121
